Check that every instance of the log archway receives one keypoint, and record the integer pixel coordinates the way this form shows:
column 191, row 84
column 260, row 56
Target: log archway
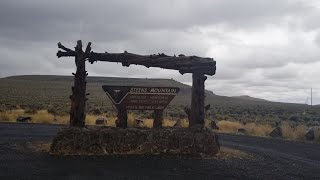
column 198, row 66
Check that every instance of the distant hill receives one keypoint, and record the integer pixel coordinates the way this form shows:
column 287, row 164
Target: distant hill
column 246, row 97
column 52, row 92
column 184, row 89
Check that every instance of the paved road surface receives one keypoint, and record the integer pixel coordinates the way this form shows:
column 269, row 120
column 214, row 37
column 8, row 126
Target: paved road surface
column 271, row 159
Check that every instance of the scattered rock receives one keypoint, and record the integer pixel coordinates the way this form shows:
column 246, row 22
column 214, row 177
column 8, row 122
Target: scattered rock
column 139, row 123
column 23, row 119
column 101, row 121
column 117, row 141
column 276, row 132
column 310, row 134
column 213, row 125
column 242, row 131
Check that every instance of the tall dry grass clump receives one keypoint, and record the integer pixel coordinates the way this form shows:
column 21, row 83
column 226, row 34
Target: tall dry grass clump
column 62, row 119
column 168, row 123
column 229, row 126
column 148, row 123
column 252, row 128
column 293, row 132
column 131, row 120
column 11, row 115
column 42, row 116
column 258, row 129
column 91, row 119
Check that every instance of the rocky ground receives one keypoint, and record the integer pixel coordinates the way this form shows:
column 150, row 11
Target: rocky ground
column 23, row 155
column 103, row 140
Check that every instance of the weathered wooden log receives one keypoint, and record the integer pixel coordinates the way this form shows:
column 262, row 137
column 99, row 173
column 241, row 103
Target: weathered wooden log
column 78, row 97
column 209, row 70
column 64, row 48
column 184, row 64
column 122, row 118
column 65, row 54
column 197, row 113
column 158, row 118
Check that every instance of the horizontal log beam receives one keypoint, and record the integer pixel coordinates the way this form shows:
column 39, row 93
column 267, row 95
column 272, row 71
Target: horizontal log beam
column 184, row 64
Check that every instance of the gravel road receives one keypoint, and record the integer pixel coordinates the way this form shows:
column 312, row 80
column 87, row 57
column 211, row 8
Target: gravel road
column 269, row 159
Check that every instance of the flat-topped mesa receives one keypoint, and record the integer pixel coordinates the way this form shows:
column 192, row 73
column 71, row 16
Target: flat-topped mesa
column 184, row 64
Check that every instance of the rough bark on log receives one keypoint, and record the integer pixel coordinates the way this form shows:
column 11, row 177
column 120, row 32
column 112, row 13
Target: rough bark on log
column 158, row 118
column 78, row 97
column 65, row 54
column 197, row 113
column 184, row 64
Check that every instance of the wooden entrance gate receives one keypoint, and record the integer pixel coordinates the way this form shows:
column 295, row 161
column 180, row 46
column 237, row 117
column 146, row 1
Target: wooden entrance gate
column 198, row 66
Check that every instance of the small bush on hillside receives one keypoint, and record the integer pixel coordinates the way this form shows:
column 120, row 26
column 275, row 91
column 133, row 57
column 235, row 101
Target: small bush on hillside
column 294, row 118
column 313, row 123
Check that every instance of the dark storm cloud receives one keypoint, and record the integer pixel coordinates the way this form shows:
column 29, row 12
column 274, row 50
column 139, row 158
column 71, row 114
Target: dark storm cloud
column 268, row 45
column 41, row 20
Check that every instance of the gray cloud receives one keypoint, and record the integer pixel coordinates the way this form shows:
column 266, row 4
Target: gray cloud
column 266, row 48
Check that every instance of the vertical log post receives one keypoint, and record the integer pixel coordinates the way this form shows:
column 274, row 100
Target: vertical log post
column 158, row 118
column 197, row 113
column 122, row 118
column 78, row 97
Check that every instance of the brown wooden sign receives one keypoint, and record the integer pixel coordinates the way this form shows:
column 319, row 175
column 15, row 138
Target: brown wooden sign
column 140, row 98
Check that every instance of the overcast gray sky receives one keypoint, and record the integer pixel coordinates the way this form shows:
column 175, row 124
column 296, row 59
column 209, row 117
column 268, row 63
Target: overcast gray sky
column 264, row 48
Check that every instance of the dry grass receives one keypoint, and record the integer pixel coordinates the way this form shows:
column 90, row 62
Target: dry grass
column 168, row 123
column 258, row 129
column 289, row 132
column 43, row 116
column 296, row 132
column 229, row 126
column 184, row 123
column 131, row 120
column 252, row 128
column 62, row 119
column 11, row 115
